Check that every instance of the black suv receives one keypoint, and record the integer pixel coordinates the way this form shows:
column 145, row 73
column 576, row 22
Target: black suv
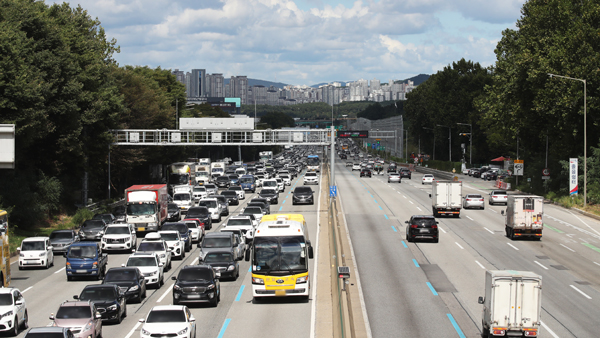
column 224, row 262
column 422, row 227
column 173, row 212
column 130, row 281
column 365, row 172
column 405, row 172
column 232, row 197
column 303, row 195
column 110, row 302
column 223, row 182
column 197, row 283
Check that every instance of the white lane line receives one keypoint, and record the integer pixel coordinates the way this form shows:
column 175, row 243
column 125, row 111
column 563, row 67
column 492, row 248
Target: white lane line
column 493, row 210
column 540, row 264
column 29, row 288
column 566, row 247
column 480, row 265
column 195, row 261
column 444, row 231
column 460, row 246
column 548, row 329
column 419, row 209
column 167, row 291
column 313, row 308
column 133, row 330
column 576, row 289
column 60, row 270
column 490, row 231
column 411, row 202
column 514, row 247
column 402, row 195
column 597, row 263
column 469, row 218
column 587, row 225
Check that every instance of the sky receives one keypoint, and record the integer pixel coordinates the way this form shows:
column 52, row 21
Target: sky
column 305, row 42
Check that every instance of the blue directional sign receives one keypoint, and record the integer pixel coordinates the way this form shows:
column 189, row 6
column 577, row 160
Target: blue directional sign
column 332, row 190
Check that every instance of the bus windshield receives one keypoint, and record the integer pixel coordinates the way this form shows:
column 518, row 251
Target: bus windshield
column 179, row 179
column 280, row 254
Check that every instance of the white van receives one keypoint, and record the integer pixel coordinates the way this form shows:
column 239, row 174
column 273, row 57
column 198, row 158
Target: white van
column 35, row 251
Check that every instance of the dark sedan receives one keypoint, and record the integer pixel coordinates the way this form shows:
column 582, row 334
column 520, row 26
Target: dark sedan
column 223, row 182
column 232, row 197
column 61, row 240
column 173, row 212
column 130, row 281
column 197, row 283
column 405, row 173
column 92, row 229
column 422, row 227
column 109, row 301
column 365, row 172
column 202, row 214
column 303, row 195
column 270, row 194
column 223, row 261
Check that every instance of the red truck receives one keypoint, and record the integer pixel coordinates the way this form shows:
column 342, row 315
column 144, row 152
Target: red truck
column 147, row 206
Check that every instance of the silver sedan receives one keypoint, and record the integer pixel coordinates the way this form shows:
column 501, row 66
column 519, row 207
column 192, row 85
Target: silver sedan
column 473, row 201
column 394, row 178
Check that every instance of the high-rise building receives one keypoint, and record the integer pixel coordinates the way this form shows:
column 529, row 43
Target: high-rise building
column 179, row 75
column 215, row 85
column 188, row 84
column 238, row 87
column 198, row 83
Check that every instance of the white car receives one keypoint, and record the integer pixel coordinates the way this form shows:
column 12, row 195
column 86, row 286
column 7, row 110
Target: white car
column 197, row 231
column 271, row 183
column 280, row 184
column 150, row 266
column 199, row 193
column 154, row 243
column 119, row 237
column 175, row 242
column 169, row 321
column 356, row 166
column 35, row 251
column 256, row 211
column 427, row 178
column 287, row 180
column 311, row 178
column 13, row 310
column 243, row 223
column 213, row 207
column 239, row 191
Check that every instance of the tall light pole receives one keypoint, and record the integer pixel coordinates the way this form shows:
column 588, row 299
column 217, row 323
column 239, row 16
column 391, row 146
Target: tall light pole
column 449, row 140
column 470, row 140
column 584, row 131
column 406, row 144
column 433, row 140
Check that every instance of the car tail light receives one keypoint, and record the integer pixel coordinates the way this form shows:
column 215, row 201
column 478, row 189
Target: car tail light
column 434, row 226
column 468, row 199
column 481, row 199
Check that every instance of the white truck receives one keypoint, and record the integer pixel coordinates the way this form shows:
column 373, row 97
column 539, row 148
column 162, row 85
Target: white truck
column 524, row 216
column 512, row 304
column 202, row 174
column 446, row 198
column 217, row 168
column 146, row 206
column 183, row 197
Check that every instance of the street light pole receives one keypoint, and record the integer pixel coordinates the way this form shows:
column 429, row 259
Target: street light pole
column 584, row 131
column 433, row 140
column 470, row 141
column 449, row 140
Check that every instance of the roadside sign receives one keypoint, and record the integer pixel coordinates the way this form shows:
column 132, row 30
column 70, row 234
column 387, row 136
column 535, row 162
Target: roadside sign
column 573, row 186
column 545, row 174
column 332, row 190
column 519, row 167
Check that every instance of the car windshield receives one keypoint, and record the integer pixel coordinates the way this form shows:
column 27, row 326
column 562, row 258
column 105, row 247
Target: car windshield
column 166, row 316
column 181, row 197
column 120, row 275
column 229, row 193
column 151, row 246
column 61, row 235
column 267, row 191
column 474, row 196
column 191, row 225
column 45, row 335
column 194, row 274
column 117, row 230
column 82, row 252
column 98, row 294
column 172, row 207
column 423, row 221
column 74, row 312
column 499, row 193
column 246, row 180
column 169, row 236
column 182, row 228
column 303, row 190
column 208, row 204
column 311, row 174
column 217, row 257
column 253, row 210
column 270, row 183
column 239, row 222
column 33, row 246
column 210, row 186
column 197, row 212
column 6, row 299
column 234, row 188
column 92, row 225
column 140, row 209
column 216, row 242
column 142, row 261
column 199, row 189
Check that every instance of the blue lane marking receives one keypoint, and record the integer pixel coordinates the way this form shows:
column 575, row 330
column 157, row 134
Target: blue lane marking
column 283, row 202
column 415, row 261
column 225, row 324
column 375, row 201
column 386, row 217
column 281, row 207
column 394, row 229
column 456, row 327
column 250, row 268
column 404, row 244
column 432, row 289
column 239, row 295
column 380, row 208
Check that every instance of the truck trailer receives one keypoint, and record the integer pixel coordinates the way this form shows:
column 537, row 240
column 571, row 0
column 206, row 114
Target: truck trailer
column 446, row 198
column 147, row 206
column 524, row 216
column 512, row 304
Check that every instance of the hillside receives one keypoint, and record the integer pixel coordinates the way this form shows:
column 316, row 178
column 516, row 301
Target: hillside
column 255, row 82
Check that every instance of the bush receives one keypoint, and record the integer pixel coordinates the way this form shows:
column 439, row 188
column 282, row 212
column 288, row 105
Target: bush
column 82, row 215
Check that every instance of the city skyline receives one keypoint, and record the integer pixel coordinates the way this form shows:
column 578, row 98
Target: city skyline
column 305, row 42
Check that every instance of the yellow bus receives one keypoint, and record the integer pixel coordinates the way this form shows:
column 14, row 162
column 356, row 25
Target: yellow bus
column 4, row 250
column 279, row 253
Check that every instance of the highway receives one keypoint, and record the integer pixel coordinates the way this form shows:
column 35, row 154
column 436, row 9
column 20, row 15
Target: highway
column 431, row 290
column 235, row 316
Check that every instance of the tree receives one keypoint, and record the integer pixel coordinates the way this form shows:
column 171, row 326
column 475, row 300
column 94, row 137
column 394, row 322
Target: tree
column 277, row 120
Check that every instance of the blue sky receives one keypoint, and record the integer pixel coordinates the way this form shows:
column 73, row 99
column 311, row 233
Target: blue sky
column 304, row 42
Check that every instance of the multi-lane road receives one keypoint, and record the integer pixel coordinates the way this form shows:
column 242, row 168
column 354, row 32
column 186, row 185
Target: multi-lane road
column 409, row 289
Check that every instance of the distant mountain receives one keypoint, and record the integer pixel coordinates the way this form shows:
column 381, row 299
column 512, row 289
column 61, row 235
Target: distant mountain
column 255, row 82
column 416, row 79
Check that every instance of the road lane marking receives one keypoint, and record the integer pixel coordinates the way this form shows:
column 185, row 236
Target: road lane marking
column 597, row 263
column 587, row 225
column 444, row 231
column 469, row 218
column 548, row 329
column 133, row 330
column 514, row 247
column 493, row 210
column 456, row 327
column 375, row 201
column 394, row 229
column 195, row 261
column 415, row 261
column 419, row 209
column 576, row 289
column 281, row 207
column 386, row 216
column 490, row 231
column 460, row 246
column 540, row 264
column 589, row 233
column 553, row 229
column 591, row 247
column 380, row 208
column 224, row 327
column 60, row 270
column 167, row 291
column 250, row 268
column 403, row 243
column 432, row 289
column 566, row 247
column 283, row 202
column 411, row 202
column 480, row 265
column 29, row 288
column 239, row 295
column 402, row 195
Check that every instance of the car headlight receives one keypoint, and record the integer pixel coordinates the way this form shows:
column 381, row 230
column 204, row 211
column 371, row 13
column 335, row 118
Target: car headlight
column 163, row 255
column 301, row 280
column 145, row 332
column 100, row 233
column 134, row 288
column 231, row 268
column 42, row 254
column 182, row 331
column 211, row 286
column 9, row 313
column 176, row 244
column 81, row 234
column 177, row 287
column 256, row 280
column 112, row 307
column 21, row 255
column 88, row 326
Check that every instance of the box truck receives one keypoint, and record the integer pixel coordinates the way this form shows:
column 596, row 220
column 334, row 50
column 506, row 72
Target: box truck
column 524, row 216
column 512, row 304
column 446, row 198
column 147, row 206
